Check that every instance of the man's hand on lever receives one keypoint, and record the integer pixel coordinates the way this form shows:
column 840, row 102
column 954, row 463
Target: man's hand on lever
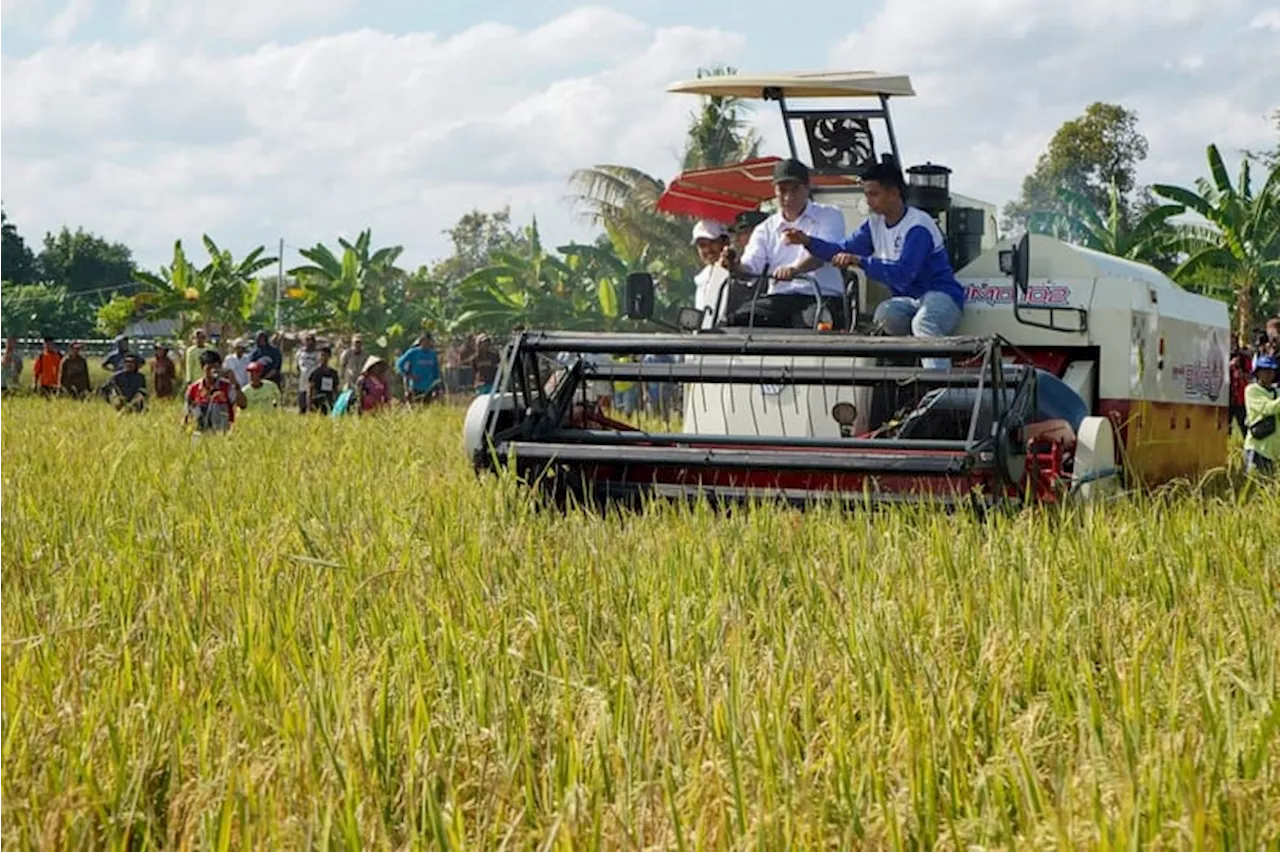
column 844, row 260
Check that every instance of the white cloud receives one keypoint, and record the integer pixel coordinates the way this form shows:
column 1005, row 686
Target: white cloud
column 66, row 21
column 995, row 78
column 403, row 133
column 1268, row 19
column 170, row 138
column 232, row 19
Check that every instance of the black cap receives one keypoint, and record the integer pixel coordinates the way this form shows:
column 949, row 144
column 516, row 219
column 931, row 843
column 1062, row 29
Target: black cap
column 748, row 219
column 790, row 170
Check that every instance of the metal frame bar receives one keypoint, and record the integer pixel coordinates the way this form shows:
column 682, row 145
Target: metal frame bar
column 789, row 115
column 787, row 374
column 772, row 93
column 900, row 463
column 616, row 437
column 761, row 342
column 893, row 137
column 742, row 494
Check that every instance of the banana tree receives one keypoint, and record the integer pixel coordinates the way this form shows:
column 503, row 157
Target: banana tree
column 529, row 287
column 348, row 292
column 222, row 291
column 1241, row 239
column 609, row 272
column 1147, row 241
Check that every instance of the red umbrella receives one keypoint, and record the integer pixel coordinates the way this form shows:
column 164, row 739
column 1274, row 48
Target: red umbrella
column 722, row 192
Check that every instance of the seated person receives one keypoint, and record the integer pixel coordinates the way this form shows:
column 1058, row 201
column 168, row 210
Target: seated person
column 790, row 303
column 902, row 248
column 710, row 239
column 127, row 387
column 744, row 225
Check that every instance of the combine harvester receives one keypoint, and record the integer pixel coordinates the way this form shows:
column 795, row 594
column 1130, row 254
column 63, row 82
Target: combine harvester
column 1072, row 373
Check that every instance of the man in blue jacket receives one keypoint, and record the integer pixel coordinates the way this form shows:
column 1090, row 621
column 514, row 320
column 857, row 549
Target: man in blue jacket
column 902, row 248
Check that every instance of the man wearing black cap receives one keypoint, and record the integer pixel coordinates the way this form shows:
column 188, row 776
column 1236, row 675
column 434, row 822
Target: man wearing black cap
column 902, row 248
column 790, row 303
column 744, row 225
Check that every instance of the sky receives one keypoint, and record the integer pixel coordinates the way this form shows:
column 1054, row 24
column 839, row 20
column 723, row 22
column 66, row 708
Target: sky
column 148, row 121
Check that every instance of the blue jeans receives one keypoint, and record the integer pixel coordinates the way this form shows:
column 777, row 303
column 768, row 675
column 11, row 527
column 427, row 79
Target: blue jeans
column 933, row 315
column 1256, row 462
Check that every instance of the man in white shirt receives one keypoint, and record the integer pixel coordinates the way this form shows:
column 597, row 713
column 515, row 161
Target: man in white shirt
column 238, row 362
column 790, row 303
column 307, row 358
column 710, row 239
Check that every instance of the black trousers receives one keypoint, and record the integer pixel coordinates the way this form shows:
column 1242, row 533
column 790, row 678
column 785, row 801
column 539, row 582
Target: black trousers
column 1236, row 415
column 788, row 310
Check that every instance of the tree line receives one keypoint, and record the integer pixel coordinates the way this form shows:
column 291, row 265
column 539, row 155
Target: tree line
column 1220, row 236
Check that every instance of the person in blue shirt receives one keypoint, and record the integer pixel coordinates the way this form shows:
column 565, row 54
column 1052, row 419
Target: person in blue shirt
column 420, row 366
column 902, row 248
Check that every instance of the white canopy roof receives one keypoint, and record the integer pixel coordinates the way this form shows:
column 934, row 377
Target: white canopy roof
column 821, row 84
column 1053, row 259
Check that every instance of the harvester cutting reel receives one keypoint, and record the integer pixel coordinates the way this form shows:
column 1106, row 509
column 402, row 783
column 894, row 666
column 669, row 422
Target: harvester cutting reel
column 779, row 413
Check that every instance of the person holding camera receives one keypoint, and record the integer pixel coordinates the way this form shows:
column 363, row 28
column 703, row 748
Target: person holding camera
column 1261, row 407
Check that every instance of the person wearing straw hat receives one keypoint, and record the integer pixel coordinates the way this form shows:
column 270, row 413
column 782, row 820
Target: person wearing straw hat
column 1261, row 408
column 373, row 387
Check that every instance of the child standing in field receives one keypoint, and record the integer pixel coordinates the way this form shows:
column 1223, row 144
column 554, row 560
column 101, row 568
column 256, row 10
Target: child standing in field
column 212, row 400
column 322, row 385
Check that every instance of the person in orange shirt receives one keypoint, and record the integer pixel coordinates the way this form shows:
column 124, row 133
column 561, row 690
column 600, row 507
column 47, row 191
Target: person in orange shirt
column 47, row 369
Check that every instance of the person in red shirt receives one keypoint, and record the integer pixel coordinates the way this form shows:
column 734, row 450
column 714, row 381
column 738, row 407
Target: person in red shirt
column 47, row 370
column 1240, row 371
column 212, row 400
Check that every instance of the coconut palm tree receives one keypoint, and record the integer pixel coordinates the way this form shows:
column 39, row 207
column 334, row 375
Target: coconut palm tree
column 719, row 132
column 623, row 201
column 1241, row 238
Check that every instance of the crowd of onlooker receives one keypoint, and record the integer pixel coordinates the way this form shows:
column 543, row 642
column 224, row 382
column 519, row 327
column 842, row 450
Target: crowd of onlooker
column 216, row 378
column 1254, row 405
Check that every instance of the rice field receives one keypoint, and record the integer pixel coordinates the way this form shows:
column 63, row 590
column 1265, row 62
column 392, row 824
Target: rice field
column 331, row 634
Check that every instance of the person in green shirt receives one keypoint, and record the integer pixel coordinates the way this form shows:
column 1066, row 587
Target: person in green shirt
column 194, row 372
column 1262, row 406
column 260, row 395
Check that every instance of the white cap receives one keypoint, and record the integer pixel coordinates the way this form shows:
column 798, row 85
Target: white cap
column 706, row 229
